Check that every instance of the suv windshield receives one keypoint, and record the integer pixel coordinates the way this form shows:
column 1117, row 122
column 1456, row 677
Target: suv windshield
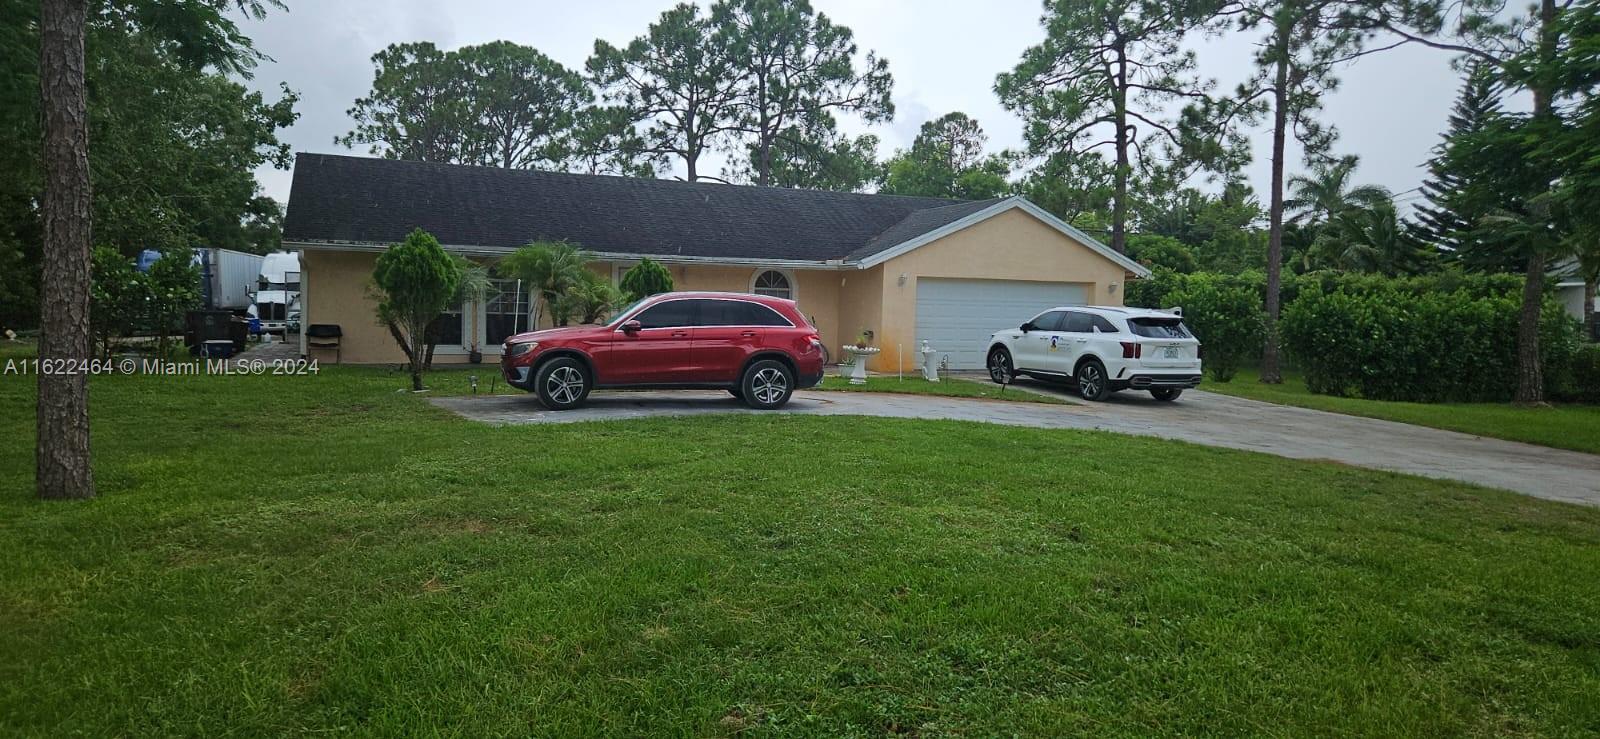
column 1159, row 328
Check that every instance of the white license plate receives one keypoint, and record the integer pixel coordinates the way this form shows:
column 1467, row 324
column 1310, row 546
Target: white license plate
column 1170, row 352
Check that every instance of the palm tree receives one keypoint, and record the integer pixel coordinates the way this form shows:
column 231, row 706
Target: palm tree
column 1370, row 239
column 549, row 269
column 1324, row 195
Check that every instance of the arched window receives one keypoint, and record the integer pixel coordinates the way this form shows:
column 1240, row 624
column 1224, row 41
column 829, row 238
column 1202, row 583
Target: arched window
column 773, row 283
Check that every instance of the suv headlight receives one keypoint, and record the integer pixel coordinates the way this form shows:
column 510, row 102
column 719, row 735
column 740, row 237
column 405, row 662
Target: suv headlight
column 520, row 348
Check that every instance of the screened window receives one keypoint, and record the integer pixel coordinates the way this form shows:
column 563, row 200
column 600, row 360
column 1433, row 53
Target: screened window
column 773, row 283
column 671, row 314
column 446, row 329
column 504, row 310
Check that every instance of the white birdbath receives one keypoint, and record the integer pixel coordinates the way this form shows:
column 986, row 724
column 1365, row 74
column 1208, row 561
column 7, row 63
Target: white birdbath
column 858, row 374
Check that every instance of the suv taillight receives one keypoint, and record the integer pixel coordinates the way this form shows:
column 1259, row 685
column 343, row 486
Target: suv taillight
column 814, row 340
column 1199, row 351
column 1132, row 349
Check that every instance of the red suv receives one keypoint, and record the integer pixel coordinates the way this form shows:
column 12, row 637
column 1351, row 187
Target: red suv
column 758, row 348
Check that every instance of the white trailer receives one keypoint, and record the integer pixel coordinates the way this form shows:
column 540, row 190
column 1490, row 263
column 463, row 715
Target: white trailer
column 229, row 277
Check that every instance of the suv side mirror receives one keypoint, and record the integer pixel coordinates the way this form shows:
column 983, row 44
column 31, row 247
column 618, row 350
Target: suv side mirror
column 631, row 327
column 1026, row 326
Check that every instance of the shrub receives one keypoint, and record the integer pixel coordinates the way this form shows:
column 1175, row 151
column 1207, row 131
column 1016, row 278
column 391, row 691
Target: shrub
column 1227, row 318
column 645, row 279
column 1581, row 381
column 1402, row 342
column 1154, row 251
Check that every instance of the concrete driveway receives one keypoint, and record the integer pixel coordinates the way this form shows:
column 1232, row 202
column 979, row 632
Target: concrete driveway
column 1198, row 417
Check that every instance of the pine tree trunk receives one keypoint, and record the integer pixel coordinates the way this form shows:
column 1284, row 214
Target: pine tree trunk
column 1271, row 369
column 62, row 455
column 1119, row 200
column 1530, row 371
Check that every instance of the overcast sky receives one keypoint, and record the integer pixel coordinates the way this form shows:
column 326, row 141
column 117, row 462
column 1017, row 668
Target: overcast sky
column 944, row 56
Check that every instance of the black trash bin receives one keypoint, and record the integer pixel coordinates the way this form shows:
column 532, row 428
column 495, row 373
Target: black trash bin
column 200, row 326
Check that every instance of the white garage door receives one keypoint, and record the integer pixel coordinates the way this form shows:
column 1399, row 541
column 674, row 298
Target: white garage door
column 956, row 317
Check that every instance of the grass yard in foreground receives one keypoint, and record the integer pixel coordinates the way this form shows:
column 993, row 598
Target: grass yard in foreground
column 1575, row 427
column 949, row 386
column 278, row 555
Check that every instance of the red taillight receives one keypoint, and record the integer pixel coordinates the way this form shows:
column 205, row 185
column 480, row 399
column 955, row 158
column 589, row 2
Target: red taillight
column 1132, row 350
column 814, row 341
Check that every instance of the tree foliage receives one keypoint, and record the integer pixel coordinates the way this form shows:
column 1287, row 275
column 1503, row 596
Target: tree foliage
column 520, row 106
column 588, row 300
column 417, row 280
column 548, row 269
column 174, row 141
column 677, row 81
column 819, row 159
column 498, row 104
column 416, row 109
column 1104, row 75
column 946, row 160
column 644, row 279
column 1443, row 219
column 795, row 70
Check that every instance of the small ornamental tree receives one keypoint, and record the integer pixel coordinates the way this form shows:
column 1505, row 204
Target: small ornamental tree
column 117, row 297
column 645, row 279
column 417, row 280
column 174, row 285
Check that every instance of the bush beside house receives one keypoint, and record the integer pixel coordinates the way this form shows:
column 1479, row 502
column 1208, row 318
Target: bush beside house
column 1446, row 336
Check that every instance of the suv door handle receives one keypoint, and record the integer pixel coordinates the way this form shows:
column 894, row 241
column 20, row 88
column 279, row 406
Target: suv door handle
column 679, row 334
column 748, row 334
column 1081, row 341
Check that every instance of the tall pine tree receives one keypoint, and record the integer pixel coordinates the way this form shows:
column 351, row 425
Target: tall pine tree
column 1443, row 219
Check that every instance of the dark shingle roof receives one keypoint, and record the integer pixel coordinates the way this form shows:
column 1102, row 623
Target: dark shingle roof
column 367, row 200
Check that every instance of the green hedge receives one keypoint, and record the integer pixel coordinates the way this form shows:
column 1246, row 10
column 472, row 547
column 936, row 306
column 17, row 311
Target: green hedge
column 1430, row 347
column 1581, row 380
column 1448, row 336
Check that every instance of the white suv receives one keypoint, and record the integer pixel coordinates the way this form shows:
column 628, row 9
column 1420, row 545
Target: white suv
column 1101, row 350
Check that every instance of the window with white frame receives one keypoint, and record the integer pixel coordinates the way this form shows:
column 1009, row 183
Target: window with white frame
column 773, row 283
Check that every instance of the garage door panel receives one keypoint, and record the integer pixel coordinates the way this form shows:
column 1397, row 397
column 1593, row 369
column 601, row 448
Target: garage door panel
column 956, row 316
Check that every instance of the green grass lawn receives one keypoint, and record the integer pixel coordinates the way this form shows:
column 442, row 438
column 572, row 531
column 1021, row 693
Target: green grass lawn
column 1575, row 427
column 276, row 555
column 955, row 387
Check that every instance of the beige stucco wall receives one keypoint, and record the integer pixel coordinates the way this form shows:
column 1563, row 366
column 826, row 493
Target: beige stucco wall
column 1011, row 246
column 337, row 291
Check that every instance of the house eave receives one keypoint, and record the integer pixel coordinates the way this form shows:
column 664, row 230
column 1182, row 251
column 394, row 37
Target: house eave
column 605, row 256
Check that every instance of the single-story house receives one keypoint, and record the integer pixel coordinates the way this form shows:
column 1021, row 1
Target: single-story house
column 903, row 269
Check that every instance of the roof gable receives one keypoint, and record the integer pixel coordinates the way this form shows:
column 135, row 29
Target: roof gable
column 992, row 208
